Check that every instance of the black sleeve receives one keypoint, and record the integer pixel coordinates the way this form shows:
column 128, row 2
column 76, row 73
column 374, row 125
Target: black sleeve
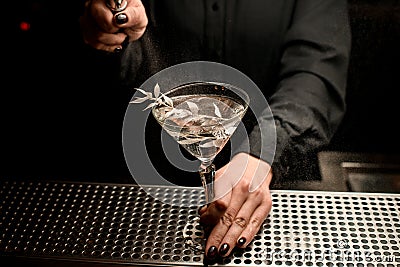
column 309, row 101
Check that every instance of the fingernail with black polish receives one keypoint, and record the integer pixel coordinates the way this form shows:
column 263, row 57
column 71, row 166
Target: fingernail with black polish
column 224, row 249
column 121, row 18
column 212, row 252
column 241, row 241
column 118, row 50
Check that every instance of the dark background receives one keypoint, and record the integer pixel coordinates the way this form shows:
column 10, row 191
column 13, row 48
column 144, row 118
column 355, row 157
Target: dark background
column 57, row 124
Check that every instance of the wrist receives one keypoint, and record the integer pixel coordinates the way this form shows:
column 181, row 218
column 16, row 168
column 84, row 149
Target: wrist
column 260, row 167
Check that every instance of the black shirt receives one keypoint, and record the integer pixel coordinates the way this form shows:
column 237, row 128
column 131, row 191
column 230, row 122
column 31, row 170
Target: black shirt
column 297, row 52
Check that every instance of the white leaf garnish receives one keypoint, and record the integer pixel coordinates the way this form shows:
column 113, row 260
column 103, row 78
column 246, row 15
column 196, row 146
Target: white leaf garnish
column 139, row 100
column 148, row 94
column 193, row 107
column 150, row 106
column 159, row 98
column 167, row 100
column 216, row 111
column 156, row 91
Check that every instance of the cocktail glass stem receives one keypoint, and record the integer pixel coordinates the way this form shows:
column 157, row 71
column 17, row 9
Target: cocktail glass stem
column 207, row 175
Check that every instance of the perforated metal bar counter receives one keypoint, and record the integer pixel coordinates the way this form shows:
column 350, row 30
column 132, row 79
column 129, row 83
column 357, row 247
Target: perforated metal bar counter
column 72, row 224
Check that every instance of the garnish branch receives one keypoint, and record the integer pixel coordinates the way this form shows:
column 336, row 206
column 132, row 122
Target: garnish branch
column 159, row 99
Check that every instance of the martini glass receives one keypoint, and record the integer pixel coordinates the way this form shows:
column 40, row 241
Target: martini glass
column 202, row 118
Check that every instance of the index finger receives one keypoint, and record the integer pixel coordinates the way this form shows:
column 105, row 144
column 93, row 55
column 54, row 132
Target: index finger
column 136, row 16
column 225, row 222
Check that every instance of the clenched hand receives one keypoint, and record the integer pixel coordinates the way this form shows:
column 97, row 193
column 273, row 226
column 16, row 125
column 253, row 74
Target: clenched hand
column 105, row 30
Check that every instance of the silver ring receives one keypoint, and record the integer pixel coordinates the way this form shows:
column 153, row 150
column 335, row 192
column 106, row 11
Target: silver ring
column 117, row 5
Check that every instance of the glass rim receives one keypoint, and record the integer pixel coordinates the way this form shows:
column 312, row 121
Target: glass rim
column 227, row 85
